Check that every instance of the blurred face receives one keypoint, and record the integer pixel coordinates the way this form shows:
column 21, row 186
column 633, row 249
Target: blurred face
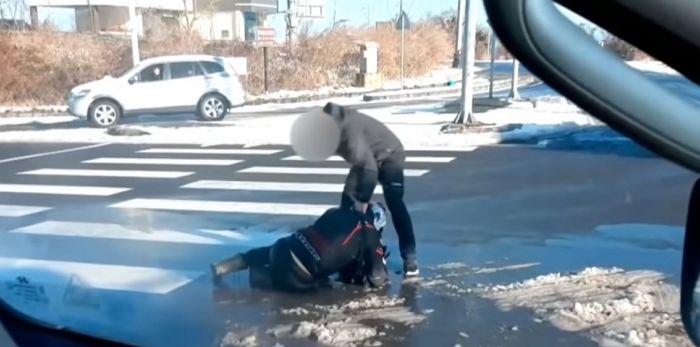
column 315, row 136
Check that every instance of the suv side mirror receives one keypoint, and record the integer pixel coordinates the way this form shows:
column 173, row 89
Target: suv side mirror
column 134, row 79
column 690, row 287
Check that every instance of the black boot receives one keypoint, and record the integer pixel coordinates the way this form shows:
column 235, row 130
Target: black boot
column 233, row 264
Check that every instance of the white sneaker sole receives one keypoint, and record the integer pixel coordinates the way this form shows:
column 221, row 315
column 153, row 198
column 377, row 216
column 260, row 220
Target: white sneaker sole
column 412, row 273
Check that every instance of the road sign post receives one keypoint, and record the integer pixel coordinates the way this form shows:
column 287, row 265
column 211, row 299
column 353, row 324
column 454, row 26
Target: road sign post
column 402, row 24
column 266, row 38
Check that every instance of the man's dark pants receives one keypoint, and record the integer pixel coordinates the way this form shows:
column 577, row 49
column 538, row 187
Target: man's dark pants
column 272, row 267
column 391, row 178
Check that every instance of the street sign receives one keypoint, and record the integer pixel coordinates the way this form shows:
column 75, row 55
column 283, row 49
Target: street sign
column 406, row 22
column 310, row 8
column 266, row 36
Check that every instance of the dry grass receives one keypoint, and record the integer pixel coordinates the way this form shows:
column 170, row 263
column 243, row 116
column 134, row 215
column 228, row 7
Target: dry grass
column 624, row 49
column 40, row 67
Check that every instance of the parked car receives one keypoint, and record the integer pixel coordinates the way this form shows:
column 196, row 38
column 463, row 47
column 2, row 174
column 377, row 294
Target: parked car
column 201, row 84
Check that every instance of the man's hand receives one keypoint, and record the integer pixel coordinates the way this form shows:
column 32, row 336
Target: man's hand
column 361, row 207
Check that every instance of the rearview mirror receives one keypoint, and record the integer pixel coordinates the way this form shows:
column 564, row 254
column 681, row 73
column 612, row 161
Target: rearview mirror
column 690, row 287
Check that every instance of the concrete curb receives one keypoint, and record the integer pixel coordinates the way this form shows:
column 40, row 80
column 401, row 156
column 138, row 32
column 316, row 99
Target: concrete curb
column 478, row 88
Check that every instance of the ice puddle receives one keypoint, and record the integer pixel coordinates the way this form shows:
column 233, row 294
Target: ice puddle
column 614, row 307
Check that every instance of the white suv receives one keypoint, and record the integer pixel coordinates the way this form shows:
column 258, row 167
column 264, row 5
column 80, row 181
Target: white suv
column 202, row 84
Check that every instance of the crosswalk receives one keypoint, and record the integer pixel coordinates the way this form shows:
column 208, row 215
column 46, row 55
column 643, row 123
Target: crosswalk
column 238, row 182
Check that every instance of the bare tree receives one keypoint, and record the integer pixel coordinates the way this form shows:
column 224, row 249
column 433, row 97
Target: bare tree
column 195, row 13
column 13, row 9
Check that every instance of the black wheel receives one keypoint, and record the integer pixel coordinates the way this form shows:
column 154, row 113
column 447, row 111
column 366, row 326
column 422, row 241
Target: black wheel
column 212, row 107
column 104, row 113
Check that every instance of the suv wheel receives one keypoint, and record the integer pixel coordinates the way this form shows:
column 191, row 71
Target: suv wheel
column 104, row 113
column 212, row 107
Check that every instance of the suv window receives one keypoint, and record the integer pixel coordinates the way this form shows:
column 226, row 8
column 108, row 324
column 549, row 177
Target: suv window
column 212, row 67
column 184, row 70
column 151, row 74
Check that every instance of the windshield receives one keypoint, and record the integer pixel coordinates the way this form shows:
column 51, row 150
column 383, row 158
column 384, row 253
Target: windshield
column 199, row 207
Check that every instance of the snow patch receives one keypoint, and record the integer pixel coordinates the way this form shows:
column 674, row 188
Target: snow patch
column 653, row 66
column 240, row 339
column 344, row 324
column 617, row 307
column 416, row 126
column 480, row 270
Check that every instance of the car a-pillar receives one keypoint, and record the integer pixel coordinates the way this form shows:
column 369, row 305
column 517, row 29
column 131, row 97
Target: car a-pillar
column 213, row 106
column 105, row 112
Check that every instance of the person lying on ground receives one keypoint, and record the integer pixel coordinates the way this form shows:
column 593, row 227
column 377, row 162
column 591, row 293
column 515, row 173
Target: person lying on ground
column 340, row 241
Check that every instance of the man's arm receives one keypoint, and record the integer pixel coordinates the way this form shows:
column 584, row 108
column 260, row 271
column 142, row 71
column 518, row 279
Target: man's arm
column 364, row 170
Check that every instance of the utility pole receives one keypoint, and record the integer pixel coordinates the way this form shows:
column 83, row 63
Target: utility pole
column 460, row 31
column 403, row 25
column 92, row 17
column 292, row 21
column 514, row 82
column 135, row 56
column 468, row 52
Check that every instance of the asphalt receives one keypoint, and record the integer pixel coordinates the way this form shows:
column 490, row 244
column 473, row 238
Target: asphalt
column 501, row 204
column 591, row 198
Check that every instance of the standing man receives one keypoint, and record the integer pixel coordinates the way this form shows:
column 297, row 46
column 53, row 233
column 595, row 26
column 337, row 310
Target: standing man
column 376, row 155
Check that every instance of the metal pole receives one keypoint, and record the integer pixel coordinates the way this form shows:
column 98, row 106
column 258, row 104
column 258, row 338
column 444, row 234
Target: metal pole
column 460, row 31
column 135, row 56
column 492, row 53
column 402, row 40
column 514, row 82
column 265, row 78
column 468, row 57
column 92, row 17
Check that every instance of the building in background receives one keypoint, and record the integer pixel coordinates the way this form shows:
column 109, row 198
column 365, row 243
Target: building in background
column 235, row 20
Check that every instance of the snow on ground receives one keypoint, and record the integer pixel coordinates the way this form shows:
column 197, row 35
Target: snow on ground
column 348, row 324
column 653, row 66
column 616, row 307
column 416, row 125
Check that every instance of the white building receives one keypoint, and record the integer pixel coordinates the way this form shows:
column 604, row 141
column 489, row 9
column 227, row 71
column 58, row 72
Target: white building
column 213, row 19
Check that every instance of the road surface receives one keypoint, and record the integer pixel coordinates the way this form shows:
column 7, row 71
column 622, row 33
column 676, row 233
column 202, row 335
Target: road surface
column 115, row 240
column 139, row 224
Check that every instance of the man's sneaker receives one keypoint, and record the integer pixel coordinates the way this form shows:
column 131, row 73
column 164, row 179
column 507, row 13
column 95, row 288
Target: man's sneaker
column 233, row 264
column 410, row 268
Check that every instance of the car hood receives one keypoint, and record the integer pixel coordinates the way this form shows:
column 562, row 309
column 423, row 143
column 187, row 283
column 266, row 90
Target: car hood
column 105, row 82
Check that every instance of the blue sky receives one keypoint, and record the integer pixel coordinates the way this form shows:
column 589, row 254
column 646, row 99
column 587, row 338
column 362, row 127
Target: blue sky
column 356, row 12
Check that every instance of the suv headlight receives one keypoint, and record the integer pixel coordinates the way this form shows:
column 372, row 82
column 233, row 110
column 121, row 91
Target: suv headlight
column 82, row 93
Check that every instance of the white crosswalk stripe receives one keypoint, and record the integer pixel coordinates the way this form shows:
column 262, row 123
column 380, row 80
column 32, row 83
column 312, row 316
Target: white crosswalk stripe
column 225, row 206
column 271, row 186
column 316, row 171
column 440, row 148
column 141, row 233
column 61, row 189
column 108, row 173
column 214, row 151
column 99, row 276
column 410, row 159
column 20, row 210
column 162, row 161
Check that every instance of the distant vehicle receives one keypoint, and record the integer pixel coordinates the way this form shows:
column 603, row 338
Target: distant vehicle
column 206, row 85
